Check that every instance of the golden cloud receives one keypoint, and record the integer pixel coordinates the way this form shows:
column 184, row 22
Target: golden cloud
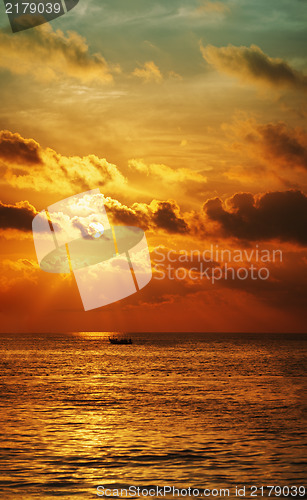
column 162, row 172
column 149, row 72
column 48, row 54
column 28, row 165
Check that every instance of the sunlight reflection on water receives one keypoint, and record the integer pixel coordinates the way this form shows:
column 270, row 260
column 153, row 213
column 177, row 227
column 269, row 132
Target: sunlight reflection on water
column 193, row 410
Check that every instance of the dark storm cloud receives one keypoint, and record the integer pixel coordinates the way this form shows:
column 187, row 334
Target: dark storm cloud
column 16, row 149
column 167, row 217
column 158, row 214
column 17, row 216
column 281, row 215
column 131, row 216
column 252, row 64
column 282, row 143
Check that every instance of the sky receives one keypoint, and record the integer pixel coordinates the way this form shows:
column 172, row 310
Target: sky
column 189, row 116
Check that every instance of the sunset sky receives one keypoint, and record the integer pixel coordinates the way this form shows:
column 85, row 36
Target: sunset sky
column 189, row 116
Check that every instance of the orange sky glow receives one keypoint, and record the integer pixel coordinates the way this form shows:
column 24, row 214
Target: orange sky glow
column 193, row 128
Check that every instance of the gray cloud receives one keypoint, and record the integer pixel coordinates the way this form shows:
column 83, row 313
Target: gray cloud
column 282, row 143
column 18, row 216
column 14, row 148
column 253, row 65
column 280, row 215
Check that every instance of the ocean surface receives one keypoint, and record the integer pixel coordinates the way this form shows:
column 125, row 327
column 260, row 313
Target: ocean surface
column 199, row 411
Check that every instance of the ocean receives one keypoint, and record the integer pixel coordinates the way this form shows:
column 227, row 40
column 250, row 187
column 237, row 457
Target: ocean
column 196, row 413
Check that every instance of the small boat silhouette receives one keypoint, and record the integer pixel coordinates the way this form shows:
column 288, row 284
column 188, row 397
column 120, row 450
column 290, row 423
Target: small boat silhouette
column 120, row 340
